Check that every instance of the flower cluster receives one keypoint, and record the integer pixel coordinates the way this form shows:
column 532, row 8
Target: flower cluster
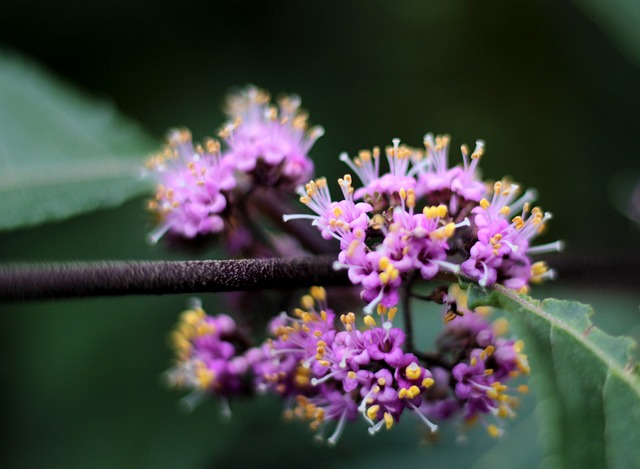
column 199, row 185
column 208, row 356
column 476, row 362
column 415, row 218
column 418, row 218
column 331, row 370
column 266, row 142
column 339, row 373
column 194, row 183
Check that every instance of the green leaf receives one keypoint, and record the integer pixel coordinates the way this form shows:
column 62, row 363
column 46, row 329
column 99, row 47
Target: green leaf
column 61, row 154
column 589, row 392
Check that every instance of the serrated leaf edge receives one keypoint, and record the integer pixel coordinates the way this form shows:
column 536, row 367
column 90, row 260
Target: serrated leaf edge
column 626, row 373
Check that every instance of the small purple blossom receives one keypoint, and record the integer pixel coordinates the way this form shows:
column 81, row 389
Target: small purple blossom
column 192, row 187
column 501, row 253
column 269, row 142
column 208, row 356
column 484, row 361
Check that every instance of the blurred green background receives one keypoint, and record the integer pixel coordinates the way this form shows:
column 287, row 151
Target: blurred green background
column 551, row 89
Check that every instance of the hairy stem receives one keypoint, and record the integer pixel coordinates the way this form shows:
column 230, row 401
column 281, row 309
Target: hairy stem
column 104, row 278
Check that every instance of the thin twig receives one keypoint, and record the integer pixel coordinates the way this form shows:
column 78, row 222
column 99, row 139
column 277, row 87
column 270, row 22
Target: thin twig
column 406, row 311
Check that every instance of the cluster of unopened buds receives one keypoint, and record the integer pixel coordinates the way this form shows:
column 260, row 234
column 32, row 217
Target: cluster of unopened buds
column 411, row 218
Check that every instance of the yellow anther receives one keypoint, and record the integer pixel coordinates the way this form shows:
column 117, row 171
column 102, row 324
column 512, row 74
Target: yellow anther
column 403, row 194
column 392, row 313
column 384, row 277
column 393, row 274
column 307, row 301
column 364, row 155
column 428, row 382
column 369, row 321
column 411, row 199
column 518, row 346
column 492, row 393
column 484, row 203
column 192, row 316
column 430, row 212
column 179, row 343
column 523, row 388
column 538, row 268
column 503, row 411
column 302, row 376
column 351, row 375
column 505, row 210
column 337, row 211
column 489, row 350
column 494, row 431
column 319, row 293
column 382, row 381
column 497, row 187
column 205, row 329
column 500, row 326
column 449, row 316
column 205, row 377
column 388, row 420
column 383, row 263
column 448, row 229
column 441, row 211
column 377, row 221
column 413, row 371
column 372, row 412
column 488, row 372
column 444, row 232
column 518, row 222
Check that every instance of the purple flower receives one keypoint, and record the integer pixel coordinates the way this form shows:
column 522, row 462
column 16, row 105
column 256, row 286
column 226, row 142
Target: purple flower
column 267, row 141
column 344, row 220
column 208, row 357
column 502, row 248
column 367, row 166
column 192, row 187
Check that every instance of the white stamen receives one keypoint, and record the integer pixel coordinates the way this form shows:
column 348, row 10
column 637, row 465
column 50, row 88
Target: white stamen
column 159, row 232
column 529, row 196
column 192, row 400
column 333, row 439
column 432, row 426
column 225, row 411
column 556, row 246
column 370, row 307
column 376, row 428
column 299, row 216
column 454, row 268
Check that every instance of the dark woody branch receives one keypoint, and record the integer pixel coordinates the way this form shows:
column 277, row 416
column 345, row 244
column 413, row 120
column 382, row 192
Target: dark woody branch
column 115, row 278
column 104, row 278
